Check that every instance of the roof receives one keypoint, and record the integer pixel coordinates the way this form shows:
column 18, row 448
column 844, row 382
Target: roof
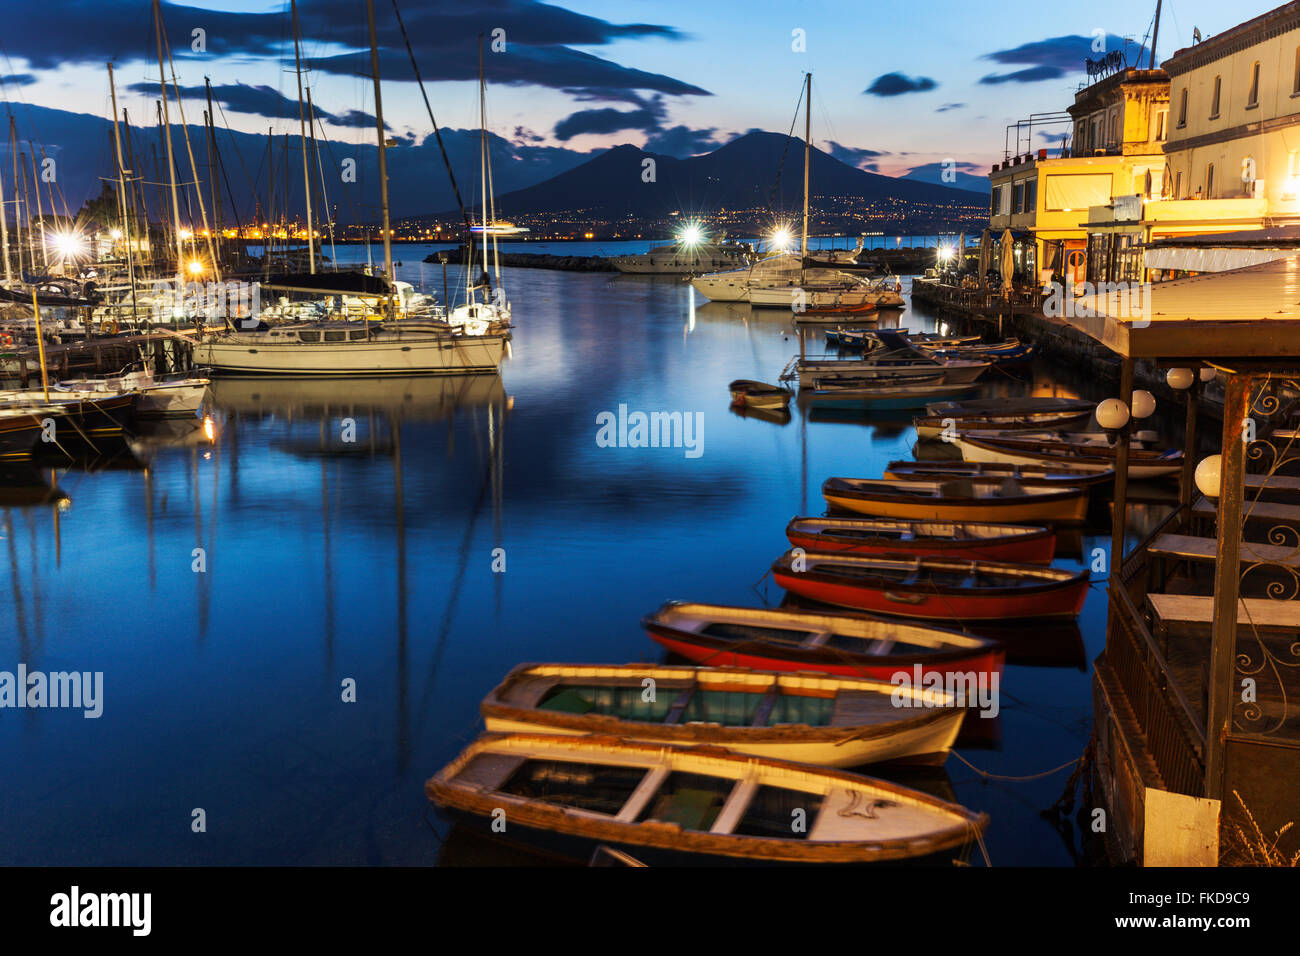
column 1249, row 316
column 1276, row 236
column 1275, row 22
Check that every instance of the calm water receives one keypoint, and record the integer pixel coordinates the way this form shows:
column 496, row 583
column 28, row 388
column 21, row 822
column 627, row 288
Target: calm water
column 371, row 560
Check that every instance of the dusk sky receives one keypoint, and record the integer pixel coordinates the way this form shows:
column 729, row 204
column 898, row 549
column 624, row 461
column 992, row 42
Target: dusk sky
column 895, row 86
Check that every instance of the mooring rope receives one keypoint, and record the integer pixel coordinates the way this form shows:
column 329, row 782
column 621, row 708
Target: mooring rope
column 998, row 776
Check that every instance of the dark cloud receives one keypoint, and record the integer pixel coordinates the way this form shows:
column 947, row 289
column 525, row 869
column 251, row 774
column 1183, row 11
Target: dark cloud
column 1030, row 74
column 950, row 106
column 853, row 156
column 896, row 84
column 260, row 101
column 540, row 40
column 1066, row 53
column 647, row 118
column 16, row 79
column 682, row 141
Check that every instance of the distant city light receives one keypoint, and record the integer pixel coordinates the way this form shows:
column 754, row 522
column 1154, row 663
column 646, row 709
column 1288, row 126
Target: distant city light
column 781, row 239
column 186, row 234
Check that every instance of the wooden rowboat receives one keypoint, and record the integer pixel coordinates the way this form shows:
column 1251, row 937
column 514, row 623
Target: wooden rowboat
column 934, row 426
column 895, row 393
column 1059, row 475
column 1081, row 453
column 703, row 802
column 933, row 588
column 853, row 645
column 961, row 499
column 818, row 719
column 1025, row 544
column 758, row 394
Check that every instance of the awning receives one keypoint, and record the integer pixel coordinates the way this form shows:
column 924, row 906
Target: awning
column 1210, row 259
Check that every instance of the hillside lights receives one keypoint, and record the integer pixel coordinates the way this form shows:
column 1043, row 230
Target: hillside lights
column 1180, row 378
column 1209, row 474
column 1144, row 403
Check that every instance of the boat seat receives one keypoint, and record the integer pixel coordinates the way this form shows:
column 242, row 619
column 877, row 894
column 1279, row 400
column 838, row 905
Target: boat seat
column 957, row 488
column 766, row 706
column 679, row 706
column 1010, row 488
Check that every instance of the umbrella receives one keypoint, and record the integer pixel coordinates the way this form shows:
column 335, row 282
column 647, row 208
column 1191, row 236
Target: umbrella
column 1006, row 255
column 986, row 254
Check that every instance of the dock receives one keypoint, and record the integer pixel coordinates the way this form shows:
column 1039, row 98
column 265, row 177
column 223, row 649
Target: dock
column 163, row 352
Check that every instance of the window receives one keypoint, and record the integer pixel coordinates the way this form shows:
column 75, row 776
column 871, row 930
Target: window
column 335, row 336
column 1114, row 129
column 1253, row 99
column 1018, row 201
column 997, row 200
column 1178, row 184
column 1209, row 181
column 1295, row 83
column 1031, row 195
column 1182, row 108
column 1214, row 99
column 1162, row 126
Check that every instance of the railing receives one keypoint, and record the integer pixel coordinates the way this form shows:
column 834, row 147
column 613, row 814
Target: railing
column 1175, row 736
column 983, row 301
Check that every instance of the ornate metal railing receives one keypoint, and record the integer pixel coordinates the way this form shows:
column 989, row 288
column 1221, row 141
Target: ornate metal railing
column 1175, row 734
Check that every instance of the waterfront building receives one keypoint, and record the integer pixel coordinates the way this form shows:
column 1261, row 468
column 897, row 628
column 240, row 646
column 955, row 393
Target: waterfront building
column 1118, row 125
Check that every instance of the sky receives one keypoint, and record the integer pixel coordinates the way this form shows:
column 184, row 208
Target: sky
column 896, row 86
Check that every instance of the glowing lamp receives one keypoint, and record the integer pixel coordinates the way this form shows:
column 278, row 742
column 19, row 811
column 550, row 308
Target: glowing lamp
column 195, row 267
column 116, row 233
column 1207, row 374
column 186, row 234
column 68, row 245
column 1180, row 378
column 1209, row 473
column 1112, row 414
column 781, row 239
column 691, row 236
column 1144, row 403
column 945, row 253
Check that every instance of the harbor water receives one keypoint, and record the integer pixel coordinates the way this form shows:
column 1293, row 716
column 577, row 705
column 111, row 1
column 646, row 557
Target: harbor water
column 296, row 617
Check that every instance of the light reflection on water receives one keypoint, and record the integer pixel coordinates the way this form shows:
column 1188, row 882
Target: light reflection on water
column 370, row 560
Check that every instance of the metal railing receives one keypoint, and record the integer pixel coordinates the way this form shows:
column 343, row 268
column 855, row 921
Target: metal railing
column 1175, row 735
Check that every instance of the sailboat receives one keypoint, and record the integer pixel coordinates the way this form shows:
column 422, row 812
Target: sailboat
column 473, row 338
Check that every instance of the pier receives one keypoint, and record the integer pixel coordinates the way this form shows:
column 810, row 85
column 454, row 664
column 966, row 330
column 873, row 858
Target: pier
column 161, row 352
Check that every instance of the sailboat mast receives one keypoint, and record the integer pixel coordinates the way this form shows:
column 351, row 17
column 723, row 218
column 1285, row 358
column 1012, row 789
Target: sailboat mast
column 171, row 159
column 302, row 128
column 807, row 158
column 1155, row 35
column 482, row 153
column 4, row 230
column 383, row 160
column 121, row 185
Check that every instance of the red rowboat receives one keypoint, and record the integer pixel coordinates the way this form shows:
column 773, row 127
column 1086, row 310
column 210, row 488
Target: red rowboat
column 936, row 588
column 1026, row 544
column 853, row 645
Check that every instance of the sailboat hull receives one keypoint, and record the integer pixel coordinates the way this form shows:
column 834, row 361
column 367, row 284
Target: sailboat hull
column 443, row 355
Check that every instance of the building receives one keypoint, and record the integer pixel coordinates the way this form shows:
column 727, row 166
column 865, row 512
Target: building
column 1119, row 124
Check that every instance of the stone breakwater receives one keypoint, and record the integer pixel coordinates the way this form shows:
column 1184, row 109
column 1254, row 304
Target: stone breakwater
column 533, row 260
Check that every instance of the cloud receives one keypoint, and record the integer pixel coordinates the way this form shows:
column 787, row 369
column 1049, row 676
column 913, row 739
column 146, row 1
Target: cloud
column 853, row 156
column 896, row 84
column 260, row 101
column 950, row 106
column 648, row 118
column 16, row 79
column 682, row 141
column 1030, row 74
column 1065, row 53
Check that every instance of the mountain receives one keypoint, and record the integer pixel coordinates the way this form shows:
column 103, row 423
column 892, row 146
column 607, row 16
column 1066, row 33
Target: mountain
column 934, row 172
column 82, row 145
column 738, row 176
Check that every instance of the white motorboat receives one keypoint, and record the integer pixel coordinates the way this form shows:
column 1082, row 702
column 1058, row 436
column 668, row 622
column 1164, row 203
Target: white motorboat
column 684, row 258
column 159, row 398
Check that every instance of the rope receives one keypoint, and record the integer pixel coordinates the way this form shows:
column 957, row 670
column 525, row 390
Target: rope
column 998, row 776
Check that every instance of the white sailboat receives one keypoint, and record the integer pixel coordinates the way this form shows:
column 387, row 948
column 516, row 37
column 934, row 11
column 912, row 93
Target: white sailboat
column 473, row 338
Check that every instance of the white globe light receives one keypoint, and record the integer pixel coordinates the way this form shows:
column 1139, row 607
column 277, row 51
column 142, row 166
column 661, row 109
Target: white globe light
column 1207, row 374
column 1112, row 414
column 1208, row 475
column 1180, row 378
column 1144, row 403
